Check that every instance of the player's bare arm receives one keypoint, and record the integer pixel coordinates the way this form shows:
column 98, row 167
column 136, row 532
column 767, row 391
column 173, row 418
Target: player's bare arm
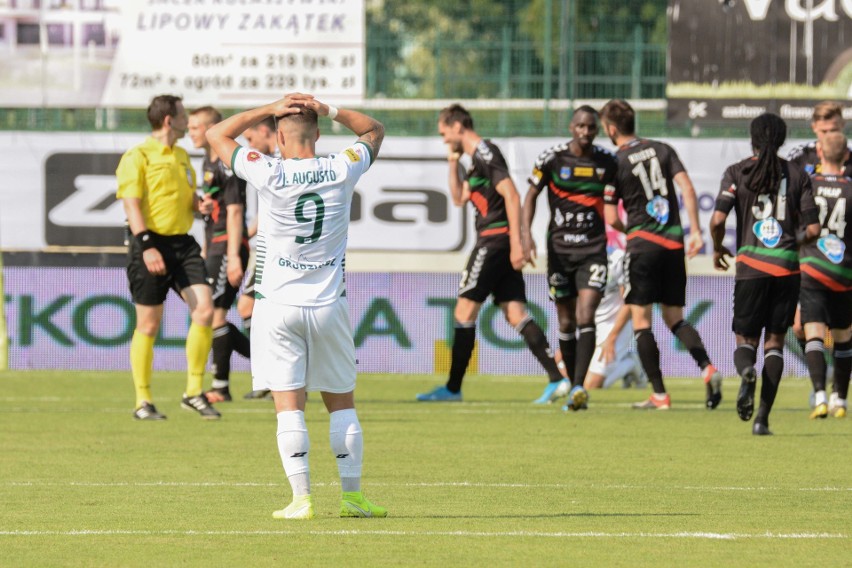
column 612, row 219
column 621, row 319
column 151, row 256
column 459, row 188
column 506, row 189
column 234, row 229
column 721, row 253
column 222, row 137
column 527, row 216
column 368, row 130
column 690, row 203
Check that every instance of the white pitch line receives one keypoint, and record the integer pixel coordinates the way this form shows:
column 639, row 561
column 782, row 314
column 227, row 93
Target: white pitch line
column 484, row 534
column 436, row 484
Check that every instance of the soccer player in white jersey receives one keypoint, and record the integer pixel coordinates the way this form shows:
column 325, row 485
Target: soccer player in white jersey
column 613, row 359
column 301, row 336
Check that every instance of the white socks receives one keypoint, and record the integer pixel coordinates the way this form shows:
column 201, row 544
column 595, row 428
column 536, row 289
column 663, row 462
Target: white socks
column 293, row 445
column 347, row 444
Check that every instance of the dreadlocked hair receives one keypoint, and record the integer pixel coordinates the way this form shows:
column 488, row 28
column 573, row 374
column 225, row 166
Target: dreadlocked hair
column 768, row 132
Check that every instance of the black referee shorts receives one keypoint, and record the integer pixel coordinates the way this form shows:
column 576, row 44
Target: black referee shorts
column 184, row 268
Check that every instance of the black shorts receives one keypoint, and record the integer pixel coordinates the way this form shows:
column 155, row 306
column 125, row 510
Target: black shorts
column 184, row 268
column 217, row 276
column 765, row 303
column 569, row 273
column 657, row 277
column 489, row 271
column 825, row 306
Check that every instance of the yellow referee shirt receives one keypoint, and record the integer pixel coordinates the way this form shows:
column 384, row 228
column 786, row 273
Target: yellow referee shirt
column 162, row 177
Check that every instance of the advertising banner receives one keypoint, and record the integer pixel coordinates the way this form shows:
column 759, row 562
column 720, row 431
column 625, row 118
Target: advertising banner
column 60, row 190
column 732, row 60
column 230, row 54
column 82, row 318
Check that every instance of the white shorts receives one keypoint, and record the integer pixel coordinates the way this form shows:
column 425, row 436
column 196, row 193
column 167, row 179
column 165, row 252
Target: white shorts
column 296, row 346
column 622, row 348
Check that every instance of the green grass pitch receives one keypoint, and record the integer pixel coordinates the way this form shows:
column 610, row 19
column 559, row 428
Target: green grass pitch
column 494, row 481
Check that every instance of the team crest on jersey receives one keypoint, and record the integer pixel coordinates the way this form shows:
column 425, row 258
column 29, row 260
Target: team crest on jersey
column 565, row 173
column 810, row 169
column 658, row 208
column 189, row 179
column 253, row 156
column 208, row 177
column 768, row 231
column 833, row 248
column 352, row 155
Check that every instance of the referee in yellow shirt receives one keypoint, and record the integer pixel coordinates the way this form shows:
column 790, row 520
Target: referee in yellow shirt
column 157, row 185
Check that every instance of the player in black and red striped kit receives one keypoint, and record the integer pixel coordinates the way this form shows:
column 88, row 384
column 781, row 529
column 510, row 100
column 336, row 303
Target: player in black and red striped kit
column 655, row 266
column 226, row 248
column 495, row 265
column 772, row 200
column 825, row 299
column 574, row 174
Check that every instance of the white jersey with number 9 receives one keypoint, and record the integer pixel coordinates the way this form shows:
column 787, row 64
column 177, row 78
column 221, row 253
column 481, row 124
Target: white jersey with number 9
column 303, row 222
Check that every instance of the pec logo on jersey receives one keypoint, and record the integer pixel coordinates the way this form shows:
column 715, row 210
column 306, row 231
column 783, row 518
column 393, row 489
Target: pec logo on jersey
column 768, row 232
column 833, row 248
column 352, row 155
column 253, row 156
column 565, row 173
column 658, row 209
column 584, row 172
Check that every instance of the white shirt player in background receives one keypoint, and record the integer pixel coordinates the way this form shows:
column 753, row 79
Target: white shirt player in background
column 301, row 338
column 613, row 359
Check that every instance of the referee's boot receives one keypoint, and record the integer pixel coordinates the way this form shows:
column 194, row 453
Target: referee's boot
column 199, row 404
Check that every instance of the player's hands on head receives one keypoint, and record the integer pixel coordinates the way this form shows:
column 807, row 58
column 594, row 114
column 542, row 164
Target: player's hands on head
column 291, row 104
column 694, row 244
column 318, row 107
column 720, row 258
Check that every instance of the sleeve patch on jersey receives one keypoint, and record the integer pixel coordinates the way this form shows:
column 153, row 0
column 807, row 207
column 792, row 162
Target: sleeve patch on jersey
column 253, row 156
column 352, row 155
column 584, row 172
column 536, row 175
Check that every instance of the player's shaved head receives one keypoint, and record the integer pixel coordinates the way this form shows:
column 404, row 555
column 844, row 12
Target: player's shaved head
column 303, row 125
column 833, row 148
column 584, row 109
